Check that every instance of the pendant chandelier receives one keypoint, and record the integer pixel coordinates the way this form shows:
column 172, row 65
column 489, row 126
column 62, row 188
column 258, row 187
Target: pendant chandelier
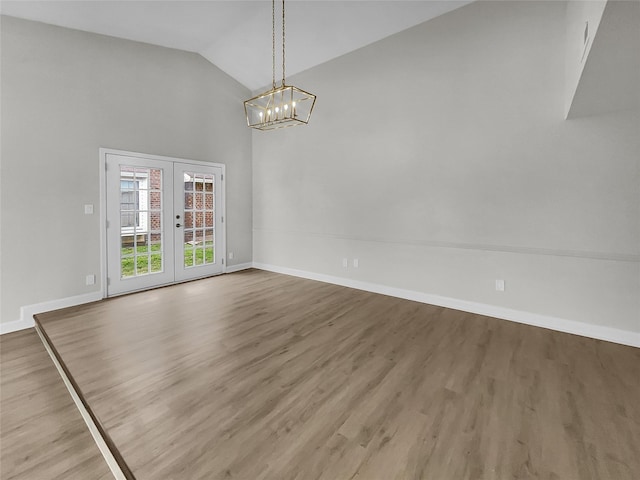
column 283, row 106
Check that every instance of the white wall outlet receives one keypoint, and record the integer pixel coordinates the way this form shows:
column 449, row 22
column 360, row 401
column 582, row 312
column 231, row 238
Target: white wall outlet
column 345, row 262
column 88, row 209
column 500, row 285
column 230, row 255
column 90, row 279
column 355, row 263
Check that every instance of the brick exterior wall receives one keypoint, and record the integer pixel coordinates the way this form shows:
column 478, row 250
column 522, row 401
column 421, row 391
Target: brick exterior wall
column 155, row 202
column 194, row 216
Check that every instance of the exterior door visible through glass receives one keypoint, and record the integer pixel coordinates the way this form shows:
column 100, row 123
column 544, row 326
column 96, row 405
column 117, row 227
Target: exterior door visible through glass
column 161, row 222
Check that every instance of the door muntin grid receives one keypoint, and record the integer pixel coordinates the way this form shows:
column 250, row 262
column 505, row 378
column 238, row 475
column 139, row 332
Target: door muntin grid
column 199, row 219
column 141, row 221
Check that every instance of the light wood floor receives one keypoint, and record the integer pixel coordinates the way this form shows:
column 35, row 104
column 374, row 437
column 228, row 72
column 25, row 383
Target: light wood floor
column 257, row 375
column 42, row 435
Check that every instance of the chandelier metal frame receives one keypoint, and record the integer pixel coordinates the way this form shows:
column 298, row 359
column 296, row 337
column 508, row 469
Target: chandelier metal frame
column 283, row 106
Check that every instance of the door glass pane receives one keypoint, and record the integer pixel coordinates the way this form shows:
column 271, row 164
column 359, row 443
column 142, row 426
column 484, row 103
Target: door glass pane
column 188, row 200
column 208, row 245
column 199, row 254
column 199, row 219
column 209, row 217
column 188, row 219
column 188, row 247
column 156, row 263
column 141, row 245
column 142, row 265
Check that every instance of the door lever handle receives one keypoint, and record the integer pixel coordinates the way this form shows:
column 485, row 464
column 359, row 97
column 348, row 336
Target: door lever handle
column 178, row 225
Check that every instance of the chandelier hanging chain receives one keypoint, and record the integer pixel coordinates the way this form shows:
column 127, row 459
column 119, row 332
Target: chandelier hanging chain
column 273, row 42
column 283, row 43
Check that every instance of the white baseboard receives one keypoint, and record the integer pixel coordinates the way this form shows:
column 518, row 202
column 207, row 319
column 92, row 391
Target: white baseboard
column 624, row 337
column 614, row 335
column 8, row 327
column 28, row 311
column 238, row 267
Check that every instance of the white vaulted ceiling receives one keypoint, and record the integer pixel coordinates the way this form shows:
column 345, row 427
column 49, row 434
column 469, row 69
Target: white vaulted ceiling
column 236, row 35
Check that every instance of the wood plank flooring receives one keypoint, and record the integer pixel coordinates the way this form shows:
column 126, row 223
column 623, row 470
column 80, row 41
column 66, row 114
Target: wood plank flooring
column 256, row 375
column 42, row 435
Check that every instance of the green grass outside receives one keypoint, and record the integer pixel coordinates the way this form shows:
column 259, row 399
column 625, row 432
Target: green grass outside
column 153, row 263
column 202, row 255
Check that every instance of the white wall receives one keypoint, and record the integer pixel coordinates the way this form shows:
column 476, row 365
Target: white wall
column 440, row 158
column 65, row 93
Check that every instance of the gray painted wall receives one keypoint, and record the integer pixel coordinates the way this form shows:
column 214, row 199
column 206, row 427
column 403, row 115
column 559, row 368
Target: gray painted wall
column 65, row 93
column 440, row 158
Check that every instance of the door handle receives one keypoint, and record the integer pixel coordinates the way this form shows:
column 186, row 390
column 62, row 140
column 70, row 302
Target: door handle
column 178, row 225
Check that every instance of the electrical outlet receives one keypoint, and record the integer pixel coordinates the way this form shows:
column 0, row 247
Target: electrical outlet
column 355, row 263
column 230, row 255
column 90, row 280
column 500, row 285
column 345, row 262
column 88, row 209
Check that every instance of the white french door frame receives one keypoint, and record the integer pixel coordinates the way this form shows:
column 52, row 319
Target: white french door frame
column 103, row 152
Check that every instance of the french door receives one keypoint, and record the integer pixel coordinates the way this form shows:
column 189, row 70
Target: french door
column 164, row 222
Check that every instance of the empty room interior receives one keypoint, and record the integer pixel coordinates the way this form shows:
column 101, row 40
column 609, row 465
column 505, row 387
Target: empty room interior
column 435, row 276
